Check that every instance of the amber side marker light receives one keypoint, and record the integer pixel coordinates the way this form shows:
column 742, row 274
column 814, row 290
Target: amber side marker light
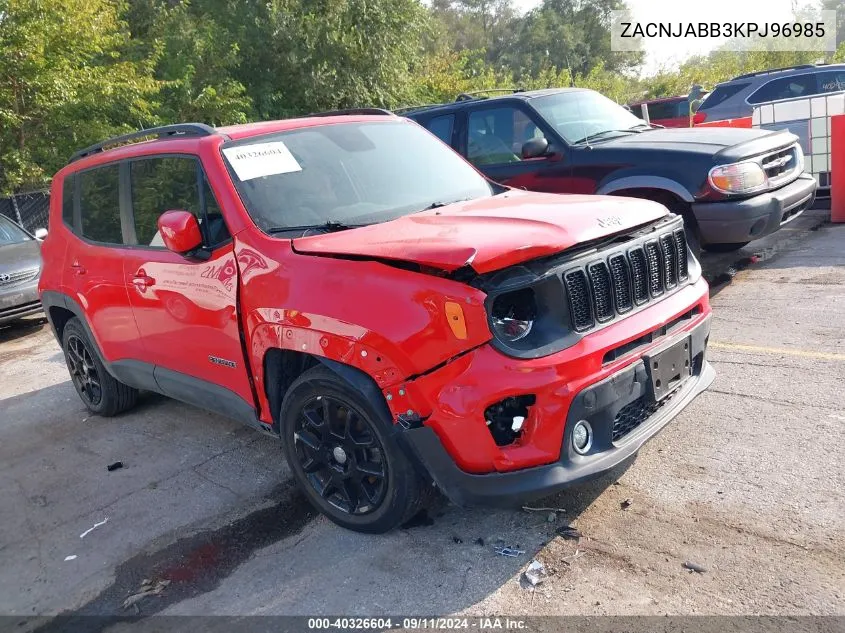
column 455, row 317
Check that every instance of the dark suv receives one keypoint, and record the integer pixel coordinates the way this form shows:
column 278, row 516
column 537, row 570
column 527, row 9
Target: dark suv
column 731, row 185
column 737, row 97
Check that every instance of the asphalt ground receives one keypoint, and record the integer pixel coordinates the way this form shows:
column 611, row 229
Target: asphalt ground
column 746, row 483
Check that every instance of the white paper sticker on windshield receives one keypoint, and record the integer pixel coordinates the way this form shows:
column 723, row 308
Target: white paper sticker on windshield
column 261, row 159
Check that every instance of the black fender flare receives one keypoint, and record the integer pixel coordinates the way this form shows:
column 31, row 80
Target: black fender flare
column 54, row 299
column 360, row 381
column 645, row 182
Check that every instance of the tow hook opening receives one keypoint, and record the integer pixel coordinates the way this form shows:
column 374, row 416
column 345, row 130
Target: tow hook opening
column 506, row 418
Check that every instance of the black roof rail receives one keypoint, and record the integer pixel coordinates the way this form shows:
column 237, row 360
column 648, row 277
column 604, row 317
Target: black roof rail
column 164, row 131
column 466, row 96
column 416, row 108
column 372, row 111
column 771, row 71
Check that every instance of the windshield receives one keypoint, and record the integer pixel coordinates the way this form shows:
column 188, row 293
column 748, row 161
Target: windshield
column 581, row 114
column 11, row 233
column 348, row 174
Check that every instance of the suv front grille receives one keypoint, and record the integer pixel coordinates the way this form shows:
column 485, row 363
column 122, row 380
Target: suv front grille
column 18, row 277
column 607, row 287
column 780, row 165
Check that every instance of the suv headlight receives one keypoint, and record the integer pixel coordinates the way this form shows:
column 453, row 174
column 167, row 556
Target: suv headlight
column 738, row 178
column 513, row 315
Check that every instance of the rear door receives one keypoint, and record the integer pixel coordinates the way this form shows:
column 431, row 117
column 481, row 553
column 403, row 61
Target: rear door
column 185, row 307
column 492, row 140
column 94, row 261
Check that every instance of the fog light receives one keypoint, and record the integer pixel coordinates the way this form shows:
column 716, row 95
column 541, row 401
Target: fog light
column 582, row 437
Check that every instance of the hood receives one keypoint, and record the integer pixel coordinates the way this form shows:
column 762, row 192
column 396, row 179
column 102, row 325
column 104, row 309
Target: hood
column 488, row 233
column 724, row 144
column 19, row 257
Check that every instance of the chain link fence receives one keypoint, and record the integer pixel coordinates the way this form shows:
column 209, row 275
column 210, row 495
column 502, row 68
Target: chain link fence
column 30, row 210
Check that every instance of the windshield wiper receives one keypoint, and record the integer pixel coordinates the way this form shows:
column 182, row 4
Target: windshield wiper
column 329, row 226
column 437, row 204
column 587, row 138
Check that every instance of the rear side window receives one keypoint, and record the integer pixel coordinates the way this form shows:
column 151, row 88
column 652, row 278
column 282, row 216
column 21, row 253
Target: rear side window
column 99, row 203
column 722, row 94
column 441, row 127
column 832, row 81
column 786, row 88
column 663, row 110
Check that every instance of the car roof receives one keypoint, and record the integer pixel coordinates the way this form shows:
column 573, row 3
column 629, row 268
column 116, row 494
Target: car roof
column 247, row 130
column 521, row 95
column 767, row 75
column 126, row 145
column 660, row 100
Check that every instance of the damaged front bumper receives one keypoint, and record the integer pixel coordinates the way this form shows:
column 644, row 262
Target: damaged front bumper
column 620, row 402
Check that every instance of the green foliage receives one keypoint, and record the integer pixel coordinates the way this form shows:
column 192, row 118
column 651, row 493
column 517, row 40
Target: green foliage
column 64, row 83
column 73, row 72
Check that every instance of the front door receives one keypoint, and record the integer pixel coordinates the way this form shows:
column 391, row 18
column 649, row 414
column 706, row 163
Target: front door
column 186, row 307
column 494, row 136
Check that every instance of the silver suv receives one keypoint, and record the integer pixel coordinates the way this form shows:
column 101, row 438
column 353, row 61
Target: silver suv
column 737, row 97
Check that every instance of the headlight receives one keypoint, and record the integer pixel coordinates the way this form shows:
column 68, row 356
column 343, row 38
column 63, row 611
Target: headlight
column 738, row 178
column 513, row 315
column 799, row 158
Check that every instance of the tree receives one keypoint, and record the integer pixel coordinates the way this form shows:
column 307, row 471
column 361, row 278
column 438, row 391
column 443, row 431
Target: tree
column 572, row 35
column 64, row 83
column 194, row 59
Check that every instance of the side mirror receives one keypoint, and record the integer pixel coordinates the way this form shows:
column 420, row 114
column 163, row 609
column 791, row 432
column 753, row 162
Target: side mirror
column 179, row 231
column 40, row 234
column 535, row 148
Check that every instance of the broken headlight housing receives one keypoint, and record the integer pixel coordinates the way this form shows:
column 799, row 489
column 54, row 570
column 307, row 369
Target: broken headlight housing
column 529, row 320
column 513, row 315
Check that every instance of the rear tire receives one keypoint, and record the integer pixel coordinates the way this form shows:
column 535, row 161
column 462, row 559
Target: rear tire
column 724, row 247
column 343, row 453
column 99, row 391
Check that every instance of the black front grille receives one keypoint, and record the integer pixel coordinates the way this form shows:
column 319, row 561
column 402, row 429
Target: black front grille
column 600, row 282
column 655, row 269
column 610, row 286
column 579, row 300
column 619, row 272
column 639, row 273
column 635, row 413
column 670, row 260
column 681, row 249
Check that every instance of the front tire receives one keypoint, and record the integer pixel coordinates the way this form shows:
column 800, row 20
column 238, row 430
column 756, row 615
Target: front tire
column 101, row 393
column 343, row 454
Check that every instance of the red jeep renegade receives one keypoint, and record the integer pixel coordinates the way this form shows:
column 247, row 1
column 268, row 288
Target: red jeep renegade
column 352, row 285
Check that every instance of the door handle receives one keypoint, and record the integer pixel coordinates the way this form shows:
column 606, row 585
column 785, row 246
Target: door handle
column 78, row 268
column 142, row 281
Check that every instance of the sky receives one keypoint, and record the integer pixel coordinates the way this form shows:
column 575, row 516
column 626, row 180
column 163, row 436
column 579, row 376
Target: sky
column 669, row 53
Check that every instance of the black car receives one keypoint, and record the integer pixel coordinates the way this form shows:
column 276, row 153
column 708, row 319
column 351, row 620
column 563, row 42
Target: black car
column 731, row 185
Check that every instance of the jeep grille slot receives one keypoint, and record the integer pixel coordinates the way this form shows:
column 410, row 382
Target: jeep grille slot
column 614, row 283
column 579, row 300
column 639, row 273
column 681, row 250
column 655, row 269
column 600, row 282
column 670, row 260
column 621, row 283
